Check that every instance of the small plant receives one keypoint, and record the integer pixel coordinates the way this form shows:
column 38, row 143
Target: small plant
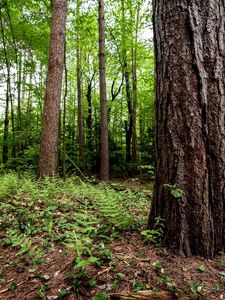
column 201, row 268
column 218, row 287
column 100, row 296
column 115, row 284
column 154, row 235
column 75, row 278
column 103, row 253
column 222, row 274
column 174, row 190
column 196, row 288
column 40, row 294
column 91, row 282
column 120, row 276
column 137, row 286
column 149, row 169
column 62, row 293
column 157, row 266
column 13, row 286
column 165, row 279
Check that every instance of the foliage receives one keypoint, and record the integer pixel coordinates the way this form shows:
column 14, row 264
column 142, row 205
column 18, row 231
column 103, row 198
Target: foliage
column 100, row 296
column 70, row 213
column 196, row 288
column 174, row 190
column 26, row 32
column 154, row 235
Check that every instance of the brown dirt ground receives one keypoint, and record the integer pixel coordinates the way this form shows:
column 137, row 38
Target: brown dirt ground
column 132, row 258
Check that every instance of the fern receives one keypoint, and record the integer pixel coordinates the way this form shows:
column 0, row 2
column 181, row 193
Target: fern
column 24, row 245
column 110, row 209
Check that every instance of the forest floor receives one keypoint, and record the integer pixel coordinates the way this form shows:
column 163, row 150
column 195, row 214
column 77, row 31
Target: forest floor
column 76, row 240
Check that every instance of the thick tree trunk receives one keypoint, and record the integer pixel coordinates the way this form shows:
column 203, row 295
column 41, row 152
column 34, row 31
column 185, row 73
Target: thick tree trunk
column 48, row 159
column 190, row 132
column 104, row 167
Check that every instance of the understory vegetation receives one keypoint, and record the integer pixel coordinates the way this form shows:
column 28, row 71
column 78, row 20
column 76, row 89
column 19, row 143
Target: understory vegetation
column 88, row 240
column 35, row 216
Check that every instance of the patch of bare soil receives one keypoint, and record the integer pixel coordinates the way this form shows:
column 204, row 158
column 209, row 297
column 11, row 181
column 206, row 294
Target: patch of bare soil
column 134, row 267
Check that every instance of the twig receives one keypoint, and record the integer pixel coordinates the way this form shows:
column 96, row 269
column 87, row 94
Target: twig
column 7, row 289
column 103, row 271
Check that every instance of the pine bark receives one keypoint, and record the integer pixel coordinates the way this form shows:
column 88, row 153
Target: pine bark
column 48, row 158
column 104, row 166
column 190, row 131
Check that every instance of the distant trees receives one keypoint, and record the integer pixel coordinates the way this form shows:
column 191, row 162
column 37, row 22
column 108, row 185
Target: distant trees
column 24, row 40
column 48, row 158
column 190, row 133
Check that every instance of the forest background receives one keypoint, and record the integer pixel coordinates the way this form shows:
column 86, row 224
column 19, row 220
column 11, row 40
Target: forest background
column 25, row 34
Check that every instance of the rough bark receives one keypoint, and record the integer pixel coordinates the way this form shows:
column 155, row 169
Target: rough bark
column 48, row 159
column 104, row 166
column 64, row 115
column 190, row 132
column 79, row 95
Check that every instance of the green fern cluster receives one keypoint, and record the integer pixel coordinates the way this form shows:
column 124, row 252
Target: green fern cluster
column 110, row 209
column 24, row 244
column 73, row 213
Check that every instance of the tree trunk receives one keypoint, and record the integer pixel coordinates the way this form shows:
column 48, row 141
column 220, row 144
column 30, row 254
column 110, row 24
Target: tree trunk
column 104, row 167
column 134, row 40
column 79, row 93
column 48, row 159
column 64, row 116
column 5, row 150
column 89, row 120
column 190, row 133
column 126, row 72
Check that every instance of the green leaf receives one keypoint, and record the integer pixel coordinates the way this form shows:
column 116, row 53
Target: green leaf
column 92, row 282
column 177, row 193
column 120, row 275
column 201, row 268
column 13, row 286
column 101, row 296
column 63, row 293
column 137, row 286
column 92, row 259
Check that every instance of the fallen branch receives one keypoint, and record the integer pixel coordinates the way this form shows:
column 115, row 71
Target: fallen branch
column 142, row 296
column 146, row 295
column 104, row 271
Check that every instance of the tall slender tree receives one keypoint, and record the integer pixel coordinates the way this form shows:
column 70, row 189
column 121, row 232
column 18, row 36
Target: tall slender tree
column 104, row 167
column 48, row 158
column 79, row 89
column 5, row 150
column 190, row 132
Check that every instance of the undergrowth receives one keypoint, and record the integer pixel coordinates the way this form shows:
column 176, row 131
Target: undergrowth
column 34, row 215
